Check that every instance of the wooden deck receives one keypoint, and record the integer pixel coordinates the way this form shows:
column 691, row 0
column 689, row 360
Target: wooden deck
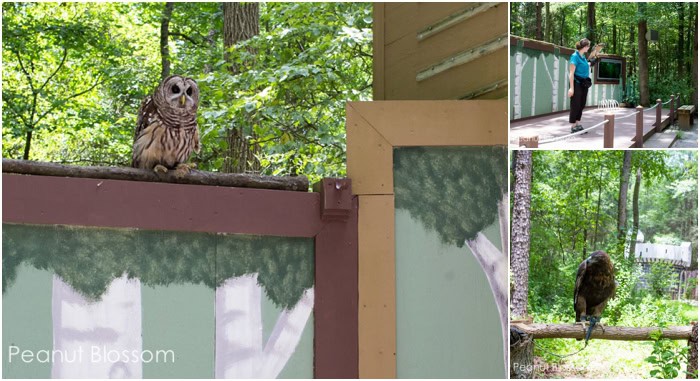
column 556, row 125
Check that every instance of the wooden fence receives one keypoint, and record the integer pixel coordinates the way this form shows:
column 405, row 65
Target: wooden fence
column 608, row 124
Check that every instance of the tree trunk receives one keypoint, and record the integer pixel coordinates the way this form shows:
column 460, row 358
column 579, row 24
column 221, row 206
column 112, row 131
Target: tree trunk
column 538, row 21
column 681, row 43
column 241, row 22
column 494, row 263
column 633, row 66
column 643, row 56
column 239, row 331
column 622, row 201
column 693, row 352
column 520, row 233
column 590, row 23
column 563, row 22
column 547, row 23
column 522, row 354
column 27, row 144
column 694, row 69
column 597, row 211
column 164, row 37
column 635, row 214
column 101, row 331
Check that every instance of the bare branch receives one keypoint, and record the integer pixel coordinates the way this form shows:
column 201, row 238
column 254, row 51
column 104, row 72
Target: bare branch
column 60, row 65
column 26, row 73
column 185, row 37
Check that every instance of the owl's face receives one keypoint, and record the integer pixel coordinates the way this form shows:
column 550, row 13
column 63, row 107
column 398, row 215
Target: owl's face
column 180, row 93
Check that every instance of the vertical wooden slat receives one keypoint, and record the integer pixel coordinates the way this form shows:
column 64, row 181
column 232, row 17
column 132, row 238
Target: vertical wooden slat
column 377, row 287
column 378, row 51
column 335, row 311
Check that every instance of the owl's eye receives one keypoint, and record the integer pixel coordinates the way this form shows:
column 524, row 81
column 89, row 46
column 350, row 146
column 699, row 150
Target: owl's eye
column 176, row 89
column 189, row 91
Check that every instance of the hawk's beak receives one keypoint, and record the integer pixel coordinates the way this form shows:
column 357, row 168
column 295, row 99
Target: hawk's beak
column 182, row 100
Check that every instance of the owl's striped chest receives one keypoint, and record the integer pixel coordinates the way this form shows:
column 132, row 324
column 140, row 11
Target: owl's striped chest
column 158, row 144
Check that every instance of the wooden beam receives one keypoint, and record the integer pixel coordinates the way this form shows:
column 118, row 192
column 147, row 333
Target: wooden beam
column 575, row 331
column 239, row 180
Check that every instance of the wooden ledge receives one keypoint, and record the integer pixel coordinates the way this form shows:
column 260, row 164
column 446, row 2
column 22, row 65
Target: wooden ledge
column 195, row 177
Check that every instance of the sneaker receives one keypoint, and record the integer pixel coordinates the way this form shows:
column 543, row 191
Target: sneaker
column 580, row 128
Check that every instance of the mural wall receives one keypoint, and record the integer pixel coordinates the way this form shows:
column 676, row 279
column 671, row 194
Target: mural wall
column 108, row 303
column 539, row 80
column 451, row 270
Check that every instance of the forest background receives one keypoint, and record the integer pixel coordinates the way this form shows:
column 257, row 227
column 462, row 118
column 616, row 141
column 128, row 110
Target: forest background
column 655, row 69
column 273, row 77
column 582, row 201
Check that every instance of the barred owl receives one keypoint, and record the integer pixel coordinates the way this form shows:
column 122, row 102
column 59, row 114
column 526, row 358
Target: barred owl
column 166, row 128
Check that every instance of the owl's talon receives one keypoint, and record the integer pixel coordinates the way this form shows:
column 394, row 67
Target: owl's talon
column 158, row 169
column 182, row 170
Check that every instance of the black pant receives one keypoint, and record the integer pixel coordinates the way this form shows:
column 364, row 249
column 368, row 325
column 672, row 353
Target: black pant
column 578, row 102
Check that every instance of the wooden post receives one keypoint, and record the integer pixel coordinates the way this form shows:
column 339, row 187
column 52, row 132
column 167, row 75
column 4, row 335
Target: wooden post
column 529, row 141
column 671, row 113
column 609, row 131
column 658, row 115
column 693, row 353
column 639, row 136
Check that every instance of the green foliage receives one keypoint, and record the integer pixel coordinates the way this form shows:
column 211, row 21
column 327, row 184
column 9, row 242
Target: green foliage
column 472, row 179
column 90, row 259
column 308, row 60
column 661, row 277
column 666, row 357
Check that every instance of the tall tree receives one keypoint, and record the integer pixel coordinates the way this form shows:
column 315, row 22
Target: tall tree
column 590, row 22
column 694, row 69
column 680, row 58
column 538, row 21
column 547, row 23
column 164, row 39
column 520, row 233
column 241, row 22
column 622, row 199
column 635, row 213
column 643, row 55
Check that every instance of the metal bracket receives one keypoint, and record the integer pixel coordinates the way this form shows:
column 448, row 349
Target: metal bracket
column 336, row 198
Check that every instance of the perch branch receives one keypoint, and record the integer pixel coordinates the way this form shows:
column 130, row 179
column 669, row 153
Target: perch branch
column 24, row 167
column 572, row 331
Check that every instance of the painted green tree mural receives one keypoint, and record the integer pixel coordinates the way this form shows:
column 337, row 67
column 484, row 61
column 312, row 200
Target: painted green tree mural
column 458, row 192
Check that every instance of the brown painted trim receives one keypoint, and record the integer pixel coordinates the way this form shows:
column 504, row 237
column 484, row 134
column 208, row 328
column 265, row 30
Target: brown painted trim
column 335, row 310
column 158, row 206
column 373, row 130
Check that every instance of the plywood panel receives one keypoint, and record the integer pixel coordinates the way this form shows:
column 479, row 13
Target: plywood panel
column 369, row 155
column 377, row 287
column 463, row 36
column 402, row 55
column 409, row 18
column 435, row 123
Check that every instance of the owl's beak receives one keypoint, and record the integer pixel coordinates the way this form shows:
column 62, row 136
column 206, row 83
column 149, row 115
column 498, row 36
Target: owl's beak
column 182, row 100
